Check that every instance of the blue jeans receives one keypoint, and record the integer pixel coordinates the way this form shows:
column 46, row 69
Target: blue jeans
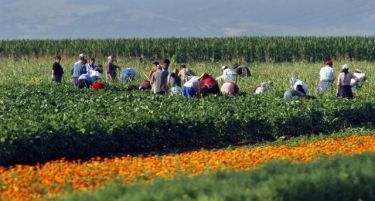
column 188, row 91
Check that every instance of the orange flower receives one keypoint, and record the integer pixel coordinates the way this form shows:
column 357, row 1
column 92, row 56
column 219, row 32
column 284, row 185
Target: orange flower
column 52, row 179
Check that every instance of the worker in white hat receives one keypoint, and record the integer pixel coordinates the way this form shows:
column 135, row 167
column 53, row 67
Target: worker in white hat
column 77, row 69
column 344, row 89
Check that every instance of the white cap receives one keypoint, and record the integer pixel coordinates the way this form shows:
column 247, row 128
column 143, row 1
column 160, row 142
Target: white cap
column 224, row 67
column 109, row 57
column 81, row 55
column 345, row 66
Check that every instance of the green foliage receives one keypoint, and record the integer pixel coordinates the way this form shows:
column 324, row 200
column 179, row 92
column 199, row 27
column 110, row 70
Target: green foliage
column 45, row 122
column 249, row 49
column 349, row 178
column 41, row 121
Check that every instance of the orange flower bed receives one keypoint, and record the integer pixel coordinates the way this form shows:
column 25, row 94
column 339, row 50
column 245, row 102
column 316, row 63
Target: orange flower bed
column 23, row 182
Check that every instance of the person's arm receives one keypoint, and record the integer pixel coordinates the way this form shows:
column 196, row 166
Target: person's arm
column 53, row 71
column 152, row 78
column 108, row 72
column 338, row 83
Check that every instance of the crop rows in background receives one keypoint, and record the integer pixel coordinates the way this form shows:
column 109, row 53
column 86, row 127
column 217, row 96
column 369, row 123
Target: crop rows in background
column 248, row 49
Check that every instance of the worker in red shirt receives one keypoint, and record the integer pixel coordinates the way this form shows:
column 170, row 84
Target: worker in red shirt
column 209, row 85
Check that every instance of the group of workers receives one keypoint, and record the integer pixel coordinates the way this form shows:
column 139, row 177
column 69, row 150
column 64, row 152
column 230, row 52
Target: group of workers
column 161, row 79
column 184, row 81
column 345, row 82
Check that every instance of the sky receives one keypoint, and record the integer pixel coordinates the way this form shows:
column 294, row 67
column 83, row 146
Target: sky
column 65, row 19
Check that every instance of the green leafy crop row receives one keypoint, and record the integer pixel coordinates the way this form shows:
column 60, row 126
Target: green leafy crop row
column 43, row 122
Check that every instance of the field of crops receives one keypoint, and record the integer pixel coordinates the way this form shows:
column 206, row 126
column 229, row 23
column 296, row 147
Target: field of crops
column 247, row 49
column 109, row 133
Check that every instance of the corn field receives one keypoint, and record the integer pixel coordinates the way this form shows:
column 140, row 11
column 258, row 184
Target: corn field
column 246, row 49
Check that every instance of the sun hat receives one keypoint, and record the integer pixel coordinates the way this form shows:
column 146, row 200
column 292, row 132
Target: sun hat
column 345, row 66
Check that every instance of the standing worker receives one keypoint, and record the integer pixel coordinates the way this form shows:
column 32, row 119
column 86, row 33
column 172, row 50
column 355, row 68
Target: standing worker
column 327, row 74
column 77, row 69
column 159, row 80
column 344, row 89
column 57, row 70
column 111, row 69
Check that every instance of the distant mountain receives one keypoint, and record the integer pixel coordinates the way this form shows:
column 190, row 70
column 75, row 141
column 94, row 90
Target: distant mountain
column 169, row 18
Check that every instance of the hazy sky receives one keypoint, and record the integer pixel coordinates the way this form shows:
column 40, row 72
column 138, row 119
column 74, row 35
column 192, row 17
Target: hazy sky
column 182, row 18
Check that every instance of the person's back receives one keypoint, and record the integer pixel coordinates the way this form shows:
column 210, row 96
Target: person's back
column 128, row 73
column 263, row 87
column 209, row 85
column 160, row 81
column 192, row 87
column 174, row 80
column 77, row 68
column 230, row 75
column 84, row 81
column 344, row 79
column 361, row 78
column 327, row 73
column 229, row 89
column 295, row 82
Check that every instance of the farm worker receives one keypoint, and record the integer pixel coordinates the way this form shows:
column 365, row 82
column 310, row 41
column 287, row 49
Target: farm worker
column 361, row 78
column 229, row 89
column 96, row 73
column 298, row 92
column 77, row 69
column 91, row 65
column 174, row 82
column 154, row 67
column 264, row 86
column 241, row 70
column 327, row 74
column 299, row 89
column 166, row 64
column 209, row 85
column 57, row 70
column 344, row 89
column 192, row 87
column 229, row 75
column 159, row 80
column 128, row 74
column 84, row 80
column 111, row 69
column 295, row 82
column 184, row 73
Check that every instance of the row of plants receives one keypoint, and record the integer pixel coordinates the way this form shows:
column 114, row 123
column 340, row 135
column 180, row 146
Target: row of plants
column 41, row 122
column 249, row 49
column 60, row 177
column 341, row 179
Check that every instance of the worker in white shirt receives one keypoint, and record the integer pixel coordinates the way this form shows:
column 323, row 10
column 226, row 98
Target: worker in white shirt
column 295, row 82
column 361, row 78
column 327, row 74
column 229, row 75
